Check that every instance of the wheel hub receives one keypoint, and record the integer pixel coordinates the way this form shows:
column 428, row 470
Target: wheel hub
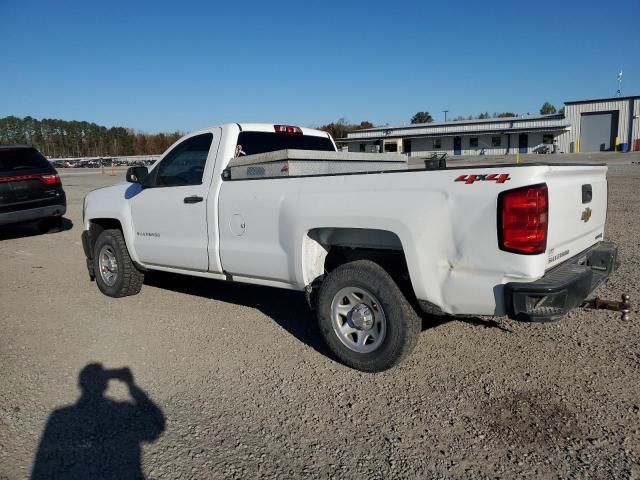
column 362, row 317
column 108, row 265
column 358, row 319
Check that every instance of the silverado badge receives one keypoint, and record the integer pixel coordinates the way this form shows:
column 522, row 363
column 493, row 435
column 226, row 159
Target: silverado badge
column 586, row 215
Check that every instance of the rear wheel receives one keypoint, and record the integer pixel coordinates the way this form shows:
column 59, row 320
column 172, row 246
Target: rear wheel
column 364, row 318
column 116, row 275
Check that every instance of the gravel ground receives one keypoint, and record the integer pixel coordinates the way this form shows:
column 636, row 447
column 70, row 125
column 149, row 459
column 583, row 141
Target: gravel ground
column 230, row 381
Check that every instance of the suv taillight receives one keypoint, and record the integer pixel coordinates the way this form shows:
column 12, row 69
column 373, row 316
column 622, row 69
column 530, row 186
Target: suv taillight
column 53, row 179
column 523, row 216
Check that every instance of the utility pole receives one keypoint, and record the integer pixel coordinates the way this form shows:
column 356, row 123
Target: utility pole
column 445, row 114
column 619, row 92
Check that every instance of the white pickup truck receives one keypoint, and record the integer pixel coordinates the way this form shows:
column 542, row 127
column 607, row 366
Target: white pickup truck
column 370, row 248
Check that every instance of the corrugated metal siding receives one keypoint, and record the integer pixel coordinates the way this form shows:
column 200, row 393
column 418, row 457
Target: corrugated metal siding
column 424, row 147
column 567, row 142
column 564, row 141
column 635, row 134
column 363, row 134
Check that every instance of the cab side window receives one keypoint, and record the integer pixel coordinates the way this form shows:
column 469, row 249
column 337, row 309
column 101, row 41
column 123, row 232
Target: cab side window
column 184, row 165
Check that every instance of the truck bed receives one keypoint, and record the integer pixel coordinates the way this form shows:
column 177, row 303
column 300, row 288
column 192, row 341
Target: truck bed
column 294, row 163
column 268, row 166
column 444, row 219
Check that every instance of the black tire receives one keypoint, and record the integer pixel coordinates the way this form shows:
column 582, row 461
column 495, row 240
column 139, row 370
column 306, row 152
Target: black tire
column 50, row 225
column 403, row 325
column 128, row 279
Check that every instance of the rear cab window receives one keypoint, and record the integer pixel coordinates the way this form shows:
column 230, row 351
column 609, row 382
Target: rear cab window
column 16, row 160
column 251, row 143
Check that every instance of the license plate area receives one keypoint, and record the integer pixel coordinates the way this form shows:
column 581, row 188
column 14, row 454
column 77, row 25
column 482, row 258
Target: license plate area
column 32, row 189
column 20, row 190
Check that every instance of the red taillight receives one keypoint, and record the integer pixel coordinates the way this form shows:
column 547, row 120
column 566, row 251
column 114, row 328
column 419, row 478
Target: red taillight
column 290, row 129
column 50, row 179
column 523, row 219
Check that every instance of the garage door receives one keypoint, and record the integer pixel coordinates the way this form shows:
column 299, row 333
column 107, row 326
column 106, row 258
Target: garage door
column 598, row 131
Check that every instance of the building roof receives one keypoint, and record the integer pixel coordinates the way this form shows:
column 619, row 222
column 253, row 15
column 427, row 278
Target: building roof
column 490, row 126
column 454, row 123
column 608, row 99
column 497, row 131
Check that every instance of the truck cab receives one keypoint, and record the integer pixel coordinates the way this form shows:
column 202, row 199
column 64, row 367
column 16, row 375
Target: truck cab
column 174, row 211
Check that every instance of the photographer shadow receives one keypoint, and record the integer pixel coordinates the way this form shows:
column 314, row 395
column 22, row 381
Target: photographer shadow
column 98, row 437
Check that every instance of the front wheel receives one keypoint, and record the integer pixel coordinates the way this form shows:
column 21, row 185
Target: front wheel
column 364, row 318
column 116, row 275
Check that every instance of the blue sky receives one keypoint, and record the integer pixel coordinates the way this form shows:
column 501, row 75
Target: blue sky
column 161, row 66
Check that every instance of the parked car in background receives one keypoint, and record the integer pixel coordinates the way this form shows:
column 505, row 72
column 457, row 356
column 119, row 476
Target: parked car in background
column 30, row 188
column 93, row 164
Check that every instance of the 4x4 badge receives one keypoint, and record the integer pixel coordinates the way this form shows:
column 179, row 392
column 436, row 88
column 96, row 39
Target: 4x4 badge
column 485, row 177
column 586, row 215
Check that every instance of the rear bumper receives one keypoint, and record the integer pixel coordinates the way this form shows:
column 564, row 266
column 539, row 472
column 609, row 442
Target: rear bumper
column 563, row 288
column 31, row 214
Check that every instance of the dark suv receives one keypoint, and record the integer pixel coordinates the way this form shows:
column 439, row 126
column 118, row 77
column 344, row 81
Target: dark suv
column 30, row 188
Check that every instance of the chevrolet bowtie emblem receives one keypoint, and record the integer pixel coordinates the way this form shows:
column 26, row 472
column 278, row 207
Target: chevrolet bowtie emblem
column 586, row 215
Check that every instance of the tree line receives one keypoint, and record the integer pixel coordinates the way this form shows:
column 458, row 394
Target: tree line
column 62, row 138
column 425, row 117
column 342, row 127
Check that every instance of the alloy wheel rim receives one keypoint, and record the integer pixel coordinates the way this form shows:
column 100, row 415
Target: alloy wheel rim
column 108, row 265
column 358, row 319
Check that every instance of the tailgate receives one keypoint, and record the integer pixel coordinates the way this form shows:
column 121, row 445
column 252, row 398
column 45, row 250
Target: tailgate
column 577, row 210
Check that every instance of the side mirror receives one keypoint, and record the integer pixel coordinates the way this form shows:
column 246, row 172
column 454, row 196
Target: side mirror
column 137, row 175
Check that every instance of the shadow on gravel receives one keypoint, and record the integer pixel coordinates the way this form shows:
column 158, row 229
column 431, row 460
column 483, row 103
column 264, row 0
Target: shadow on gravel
column 22, row 230
column 431, row 321
column 98, row 437
column 287, row 308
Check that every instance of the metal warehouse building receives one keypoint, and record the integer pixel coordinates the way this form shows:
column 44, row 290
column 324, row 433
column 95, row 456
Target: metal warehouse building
column 587, row 126
column 602, row 125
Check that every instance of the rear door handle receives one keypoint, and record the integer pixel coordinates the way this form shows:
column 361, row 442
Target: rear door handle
column 193, row 199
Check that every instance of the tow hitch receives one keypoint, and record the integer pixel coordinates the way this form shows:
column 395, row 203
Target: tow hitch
column 623, row 306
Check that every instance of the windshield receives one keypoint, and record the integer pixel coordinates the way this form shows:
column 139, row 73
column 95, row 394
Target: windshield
column 261, row 142
column 20, row 159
